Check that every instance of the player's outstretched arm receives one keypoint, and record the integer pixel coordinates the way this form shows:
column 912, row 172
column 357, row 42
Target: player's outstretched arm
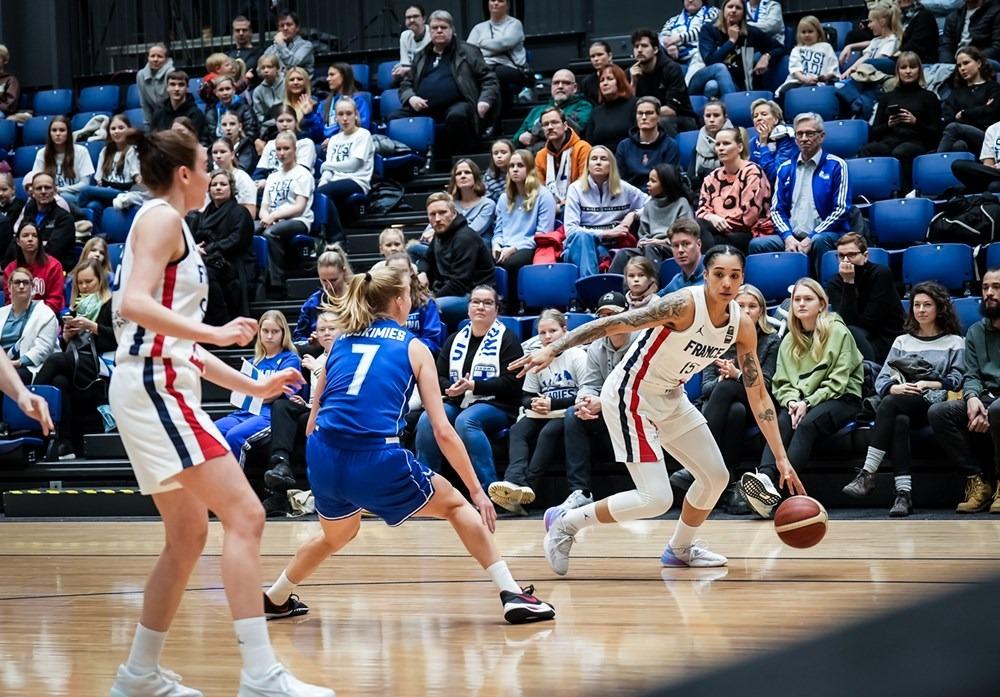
column 31, row 404
column 761, row 404
column 444, row 433
column 276, row 384
column 669, row 310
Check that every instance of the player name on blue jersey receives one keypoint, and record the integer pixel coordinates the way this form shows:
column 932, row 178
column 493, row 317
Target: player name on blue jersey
column 394, row 333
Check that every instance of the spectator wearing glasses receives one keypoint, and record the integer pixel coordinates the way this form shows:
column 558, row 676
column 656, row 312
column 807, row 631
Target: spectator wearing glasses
column 647, row 145
column 413, row 39
column 563, row 160
column 574, row 107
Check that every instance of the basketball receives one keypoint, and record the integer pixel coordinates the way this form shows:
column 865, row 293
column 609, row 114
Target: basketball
column 800, row 521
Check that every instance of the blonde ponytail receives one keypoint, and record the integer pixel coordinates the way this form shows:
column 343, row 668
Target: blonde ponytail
column 368, row 295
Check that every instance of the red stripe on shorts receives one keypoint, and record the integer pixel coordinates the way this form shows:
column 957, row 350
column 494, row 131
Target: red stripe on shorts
column 209, row 446
column 646, row 453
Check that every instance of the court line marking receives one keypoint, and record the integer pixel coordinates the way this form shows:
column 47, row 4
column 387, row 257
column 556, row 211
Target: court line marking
column 144, row 555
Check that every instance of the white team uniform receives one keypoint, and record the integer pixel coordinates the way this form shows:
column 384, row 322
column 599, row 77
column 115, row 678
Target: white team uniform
column 643, row 399
column 155, row 392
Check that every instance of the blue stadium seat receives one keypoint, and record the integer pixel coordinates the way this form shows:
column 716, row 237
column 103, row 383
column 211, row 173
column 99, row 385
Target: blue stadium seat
column 993, row 255
column 668, row 269
column 94, row 147
column 362, row 75
column 821, row 99
column 829, row 264
column 500, row 281
column 367, row 98
column 115, row 224
column 194, row 85
column 692, row 387
column 321, row 215
column 547, row 285
column 8, row 134
column 24, row 431
column 738, row 105
column 842, row 29
column 967, row 310
column 389, row 103
column 589, row 289
column 686, row 141
column 873, row 178
column 951, row 265
column 698, row 103
column 416, row 131
column 775, row 77
column 932, row 172
column 845, row 138
column 99, row 98
column 36, row 130
column 115, row 252
column 132, row 100
column 573, row 320
column 774, row 272
column 136, row 118
column 80, row 120
column 260, row 254
column 385, row 69
column 24, row 159
column 53, row 102
column 900, row 222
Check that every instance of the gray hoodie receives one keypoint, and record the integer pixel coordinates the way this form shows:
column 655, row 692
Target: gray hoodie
column 152, row 87
column 265, row 98
column 602, row 357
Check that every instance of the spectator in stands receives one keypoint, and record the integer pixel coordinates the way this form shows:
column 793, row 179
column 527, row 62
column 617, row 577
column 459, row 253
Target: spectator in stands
column 390, row 241
column 774, row 142
column 813, row 60
column 974, row 103
column 347, row 171
column 298, row 95
column 27, row 327
column 224, row 233
column 272, row 352
column 286, row 208
column 481, row 396
column 457, row 259
column 668, row 202
column 574, row 107
column 117, row 168
column 654, row 75
column 735, row 199
column 976, row 177
column 219, row 65
column 244, row 189
column 705, row 159
column 291, row 49
column 334, row 271
column 46, row 271
column 885, row 22
column 686, row 247
column 97, row 249
column 81, row 369
column 600, row 58
column 501, row 41
column 451, row 83
column 864, row 294
column 614, row 114
column 267, row 96
column 811, row 218
column 816, row 385
column 563, row 160
column 584, row 422
column 10, row 211
column 67, row 162
column 244, row 152
column 424, row 321
column 640, row 282
column 766, row 16
column 305, row 149
column 178, row 103
column 724, row 398
column 600, row 212
column 934, row 337
column 907, row 119
column 979, row 410
column 525, row 209
column 53, row 223
column 976, row 25
column 10, row 88
column 228, row 101
column 495, row 176
column 244, row 49
column 413, row 39
column 469, row 193
column 537, row 438
column 920, row 34
column 646, row 146
column 153, row 80
column 727, row 48
column 679, row 36
column 340, row 78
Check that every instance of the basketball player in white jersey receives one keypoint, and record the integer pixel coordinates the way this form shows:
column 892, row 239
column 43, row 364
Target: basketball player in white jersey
column 178, row 455
column 646, row 408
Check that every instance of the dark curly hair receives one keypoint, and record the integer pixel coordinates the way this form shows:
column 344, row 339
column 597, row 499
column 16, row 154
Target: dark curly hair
column 947, row 320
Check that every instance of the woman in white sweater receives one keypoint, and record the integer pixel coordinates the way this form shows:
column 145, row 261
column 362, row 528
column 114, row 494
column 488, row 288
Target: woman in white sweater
column 68, row 163
column 350, row 162
column 27, row 327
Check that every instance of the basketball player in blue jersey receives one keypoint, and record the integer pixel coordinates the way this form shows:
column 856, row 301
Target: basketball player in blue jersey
column 354, row 458
column 647, row 409
column 178, row 455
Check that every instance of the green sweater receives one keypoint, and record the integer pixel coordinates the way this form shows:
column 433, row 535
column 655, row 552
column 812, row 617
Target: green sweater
column 576, row 109
column 982, row 360
column 839, row 371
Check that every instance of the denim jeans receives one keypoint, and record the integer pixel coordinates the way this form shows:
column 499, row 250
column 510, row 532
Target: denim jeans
column 453, row 309
column 712, row 81
column 581, row 248
column 474, row 424
column 822, row 243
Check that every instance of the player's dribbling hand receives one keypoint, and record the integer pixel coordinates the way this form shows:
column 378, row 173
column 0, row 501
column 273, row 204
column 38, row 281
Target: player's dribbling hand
column 532, row 363
column 278, row 383
column 37, row 408
column 787, row 476
column 241, row 331
column 486, row 510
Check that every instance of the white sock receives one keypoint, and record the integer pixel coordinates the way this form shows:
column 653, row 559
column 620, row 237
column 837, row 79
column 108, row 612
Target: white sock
column 683, row 535
column 873, row 459
column 576, row 519
column 255, row 646
column 282, row 588
column 500, row 575
column 904, row 482
column 147, row 645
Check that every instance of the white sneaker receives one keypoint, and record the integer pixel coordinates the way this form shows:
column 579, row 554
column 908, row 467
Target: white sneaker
column 695, row 557
column 159, row 683
column 510, row 496
column 557, row 544
column 576, row 499
column 760, row 493
column 279, row 683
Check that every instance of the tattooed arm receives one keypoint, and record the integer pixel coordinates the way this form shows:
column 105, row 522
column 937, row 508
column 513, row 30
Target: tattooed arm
column 761, row 404
column 675, row 310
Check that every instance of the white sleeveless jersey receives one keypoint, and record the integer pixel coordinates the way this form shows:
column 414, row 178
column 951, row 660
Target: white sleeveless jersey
column 183, row 289
column 663, row 358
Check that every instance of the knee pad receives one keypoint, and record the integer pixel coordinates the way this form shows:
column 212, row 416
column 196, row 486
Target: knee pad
column 707, row 488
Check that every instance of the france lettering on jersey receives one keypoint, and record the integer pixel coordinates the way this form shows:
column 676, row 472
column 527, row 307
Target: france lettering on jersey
column 183, row 289
column 368, row 382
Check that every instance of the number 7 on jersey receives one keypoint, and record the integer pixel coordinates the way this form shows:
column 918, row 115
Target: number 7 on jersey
column 367, row 352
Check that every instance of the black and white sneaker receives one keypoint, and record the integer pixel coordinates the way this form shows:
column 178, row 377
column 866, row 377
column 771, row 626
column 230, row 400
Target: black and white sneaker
column 280, row 476
column 293, row 607
column 524, row 607
column 759, row 492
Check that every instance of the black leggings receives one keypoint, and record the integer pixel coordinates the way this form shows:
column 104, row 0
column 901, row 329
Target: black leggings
column 819, row 422
column 288, row 426
column 727, row 413
column 58, row 370
column 548, row 437
column 896, row 417
column 278, row 237
column 976, row 177
column 513, row 266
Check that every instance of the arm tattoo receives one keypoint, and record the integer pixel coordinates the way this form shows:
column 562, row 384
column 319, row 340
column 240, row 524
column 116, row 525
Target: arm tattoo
column 751, row 371
column 666, row 309
column 766, row 415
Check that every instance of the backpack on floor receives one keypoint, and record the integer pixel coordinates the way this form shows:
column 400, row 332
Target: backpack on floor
column 972, row 220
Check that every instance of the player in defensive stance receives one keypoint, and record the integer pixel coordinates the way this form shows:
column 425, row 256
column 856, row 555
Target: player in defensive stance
column 178, row 454
column 353, row 452
column 646, row 408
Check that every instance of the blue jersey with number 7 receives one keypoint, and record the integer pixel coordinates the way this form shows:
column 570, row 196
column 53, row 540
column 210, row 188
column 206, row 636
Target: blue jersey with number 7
column 368, row 382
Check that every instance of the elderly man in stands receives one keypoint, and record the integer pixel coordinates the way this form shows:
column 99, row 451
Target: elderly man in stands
column 563, row 160
column 977, row 23
column 413, row 39
column 679, row 36
column 451, row 83
column 290, row 48
column 654, row 74
column 571, row 103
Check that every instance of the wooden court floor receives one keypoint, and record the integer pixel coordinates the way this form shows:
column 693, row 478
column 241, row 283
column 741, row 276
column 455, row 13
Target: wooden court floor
column 404, row 612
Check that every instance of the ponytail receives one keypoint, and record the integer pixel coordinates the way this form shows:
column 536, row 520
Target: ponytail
column 368, row 295
column 161, row 153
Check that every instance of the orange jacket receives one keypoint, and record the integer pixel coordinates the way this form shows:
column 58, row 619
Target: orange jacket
column 578, row 166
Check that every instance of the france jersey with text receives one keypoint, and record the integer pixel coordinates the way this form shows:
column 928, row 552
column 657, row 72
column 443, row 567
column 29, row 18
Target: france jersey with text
column 368, row 382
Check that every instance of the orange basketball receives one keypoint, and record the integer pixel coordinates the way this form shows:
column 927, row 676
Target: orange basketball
column 800, row 521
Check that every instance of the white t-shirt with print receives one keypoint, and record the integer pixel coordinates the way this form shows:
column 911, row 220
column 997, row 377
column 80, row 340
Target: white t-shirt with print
column 284, row 187
column 82, row 165
column 129, row 172
column 305, row 155
column 991, row 144
column 346, row 147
